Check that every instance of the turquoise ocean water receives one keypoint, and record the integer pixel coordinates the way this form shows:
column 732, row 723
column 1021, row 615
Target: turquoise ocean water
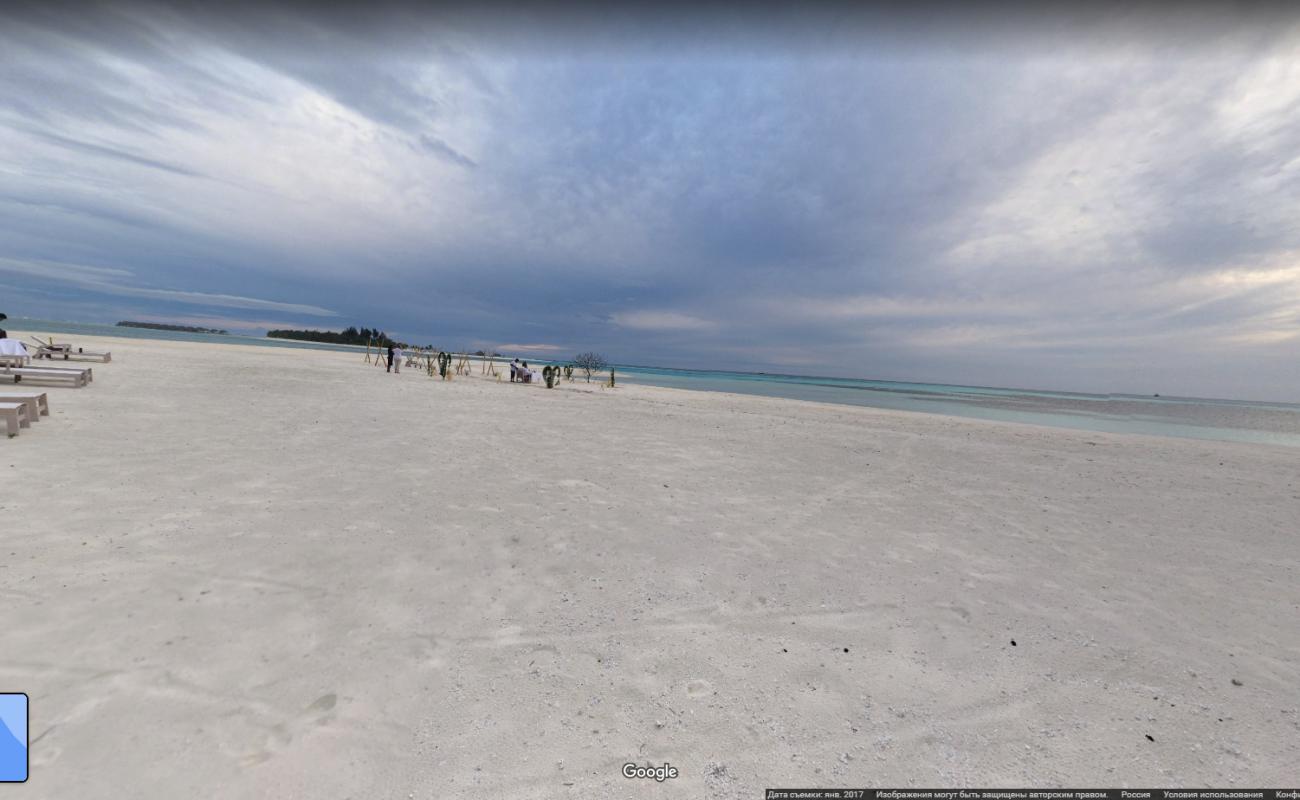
column 1188, row 417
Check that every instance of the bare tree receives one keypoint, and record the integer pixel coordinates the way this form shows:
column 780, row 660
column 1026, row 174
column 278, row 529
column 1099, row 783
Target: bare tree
column 589, row 363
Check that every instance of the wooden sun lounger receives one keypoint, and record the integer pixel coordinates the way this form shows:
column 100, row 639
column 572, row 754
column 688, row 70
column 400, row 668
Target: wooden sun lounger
column 47, row 349
column 68, row 354
column 78, row 378
column 38, row 404
column 15, row 417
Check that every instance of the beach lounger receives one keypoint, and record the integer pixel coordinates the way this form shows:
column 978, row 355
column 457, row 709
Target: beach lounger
column 50, row 350
column 15, row 417
column 37, row 403
column 77, row 378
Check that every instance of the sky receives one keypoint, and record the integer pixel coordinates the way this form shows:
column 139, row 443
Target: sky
column 1100, row 199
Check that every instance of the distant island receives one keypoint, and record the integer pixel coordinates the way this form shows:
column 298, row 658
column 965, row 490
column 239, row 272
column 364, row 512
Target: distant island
column 361, row 336
column 158, row 326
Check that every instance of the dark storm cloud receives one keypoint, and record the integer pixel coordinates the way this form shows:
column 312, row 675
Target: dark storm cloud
column 1031, row 195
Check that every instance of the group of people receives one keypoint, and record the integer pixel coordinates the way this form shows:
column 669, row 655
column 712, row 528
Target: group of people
column 395, row 356
column 520, row 371
column 551, row 374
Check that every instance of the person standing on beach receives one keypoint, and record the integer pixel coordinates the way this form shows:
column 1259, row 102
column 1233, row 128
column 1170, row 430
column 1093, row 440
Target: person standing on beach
column 397, row 359
column 390, row 356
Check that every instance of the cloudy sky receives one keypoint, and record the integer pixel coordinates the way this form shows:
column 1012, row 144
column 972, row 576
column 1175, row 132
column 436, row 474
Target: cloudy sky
column 1099, row 201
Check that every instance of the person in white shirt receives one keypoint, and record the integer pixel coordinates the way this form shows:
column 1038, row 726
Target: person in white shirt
column 397, row 359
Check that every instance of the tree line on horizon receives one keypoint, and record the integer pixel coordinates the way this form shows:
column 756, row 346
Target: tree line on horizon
column 349, row 335
column 166, row 326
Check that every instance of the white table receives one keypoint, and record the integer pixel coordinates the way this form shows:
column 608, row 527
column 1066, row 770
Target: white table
column 13, row 353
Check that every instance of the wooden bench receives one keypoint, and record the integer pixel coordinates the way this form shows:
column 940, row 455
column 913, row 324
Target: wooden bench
column 78, row 377
column 82, row 375
column 15, row 417
column 85, row 372
column 38, row 404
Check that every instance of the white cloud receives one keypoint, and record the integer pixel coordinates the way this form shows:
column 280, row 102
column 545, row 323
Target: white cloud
column 874, row 307
column 661, row 321
column 531, row 348
column 99, row 279
column 228, row 323
column 1172, row 141
column 1127, row 200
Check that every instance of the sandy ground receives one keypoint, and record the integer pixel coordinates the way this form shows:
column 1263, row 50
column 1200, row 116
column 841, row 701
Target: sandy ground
column 251, row 572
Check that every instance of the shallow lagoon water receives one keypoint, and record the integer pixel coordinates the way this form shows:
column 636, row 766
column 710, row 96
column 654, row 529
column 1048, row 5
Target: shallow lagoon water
column 1196, row 418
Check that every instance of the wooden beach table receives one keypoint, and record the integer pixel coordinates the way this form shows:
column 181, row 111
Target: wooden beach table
column 15, row 417
column 38, row 404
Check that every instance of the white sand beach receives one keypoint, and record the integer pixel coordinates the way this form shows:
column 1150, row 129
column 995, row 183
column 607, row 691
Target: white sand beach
column 235, row 571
